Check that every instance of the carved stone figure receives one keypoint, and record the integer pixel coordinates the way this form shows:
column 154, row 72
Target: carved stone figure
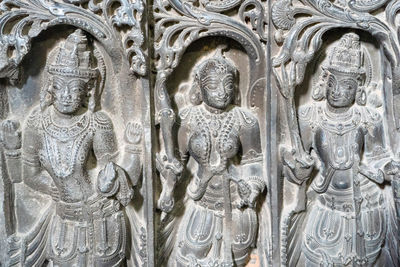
column 222, row 140
column 85, row 225
column 347, row 215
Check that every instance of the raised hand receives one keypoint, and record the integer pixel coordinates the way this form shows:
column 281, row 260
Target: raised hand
column 133, row 132
column 11, row 134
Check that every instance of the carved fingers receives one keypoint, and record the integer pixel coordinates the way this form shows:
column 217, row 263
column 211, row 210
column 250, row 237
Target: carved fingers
column 54, row 193
column 166, row 201
column 11, row 134
column 392, row 170
column 248, row 193
column 295, row 168
column 164, row 163
column 106, row 178
column 133, row 132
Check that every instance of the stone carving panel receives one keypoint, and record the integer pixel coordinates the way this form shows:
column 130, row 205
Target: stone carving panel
column 211, row 163
column 336, row 68
column 199, row 133
column 75, row 181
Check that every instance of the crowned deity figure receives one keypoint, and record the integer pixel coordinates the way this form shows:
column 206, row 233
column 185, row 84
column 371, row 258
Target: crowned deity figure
column 346, row 216
column 221, row 141
column 63, row 139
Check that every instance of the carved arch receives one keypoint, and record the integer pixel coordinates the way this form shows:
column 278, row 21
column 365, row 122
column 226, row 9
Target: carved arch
column 21, row 21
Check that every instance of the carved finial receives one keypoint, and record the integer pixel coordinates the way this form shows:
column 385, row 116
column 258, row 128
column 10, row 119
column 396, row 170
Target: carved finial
column 347, row 57
column 74, row 58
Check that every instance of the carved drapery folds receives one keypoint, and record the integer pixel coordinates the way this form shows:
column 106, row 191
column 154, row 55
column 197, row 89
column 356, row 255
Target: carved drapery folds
column 199, row 133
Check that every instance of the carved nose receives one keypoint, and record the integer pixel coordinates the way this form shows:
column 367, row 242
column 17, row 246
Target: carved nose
column 336, row 92
column 66, row 94
column 222, row 92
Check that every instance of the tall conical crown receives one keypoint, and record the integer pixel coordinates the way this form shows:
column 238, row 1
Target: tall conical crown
column 73, row 58
column 347, row 56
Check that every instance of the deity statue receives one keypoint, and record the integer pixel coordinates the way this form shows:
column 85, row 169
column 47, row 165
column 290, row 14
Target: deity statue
column 221, row 143
column 63, row 141
column 346, row 216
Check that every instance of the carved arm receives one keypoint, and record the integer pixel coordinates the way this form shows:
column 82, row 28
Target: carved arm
column 251, row 162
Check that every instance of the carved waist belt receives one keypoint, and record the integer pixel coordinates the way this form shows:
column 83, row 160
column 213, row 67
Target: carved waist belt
column 214, row 199
column 94, row 208
column 344, row 200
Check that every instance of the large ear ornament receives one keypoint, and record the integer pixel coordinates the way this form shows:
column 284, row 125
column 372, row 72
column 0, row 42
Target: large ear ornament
column 361, row 96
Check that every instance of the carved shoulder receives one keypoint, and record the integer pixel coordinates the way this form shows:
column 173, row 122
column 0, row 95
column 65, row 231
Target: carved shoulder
column 248, row 120
column 102, row 121
column 307, row 116
column 33, row 120
column 306, row 113
column 185, row 114
column 371, row 116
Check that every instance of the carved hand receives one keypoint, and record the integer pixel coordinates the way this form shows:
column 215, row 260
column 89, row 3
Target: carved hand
column 170, row 170
column 248, row 194
column 11, row 134
column 296, row 169
column 133, row 132
column 107, row 177
column 54, row 193
column 392, row 170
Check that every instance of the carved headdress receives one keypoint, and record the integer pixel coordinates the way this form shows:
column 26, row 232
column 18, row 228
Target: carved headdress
column 218, row 65
column 347, row 57
column 74, row 58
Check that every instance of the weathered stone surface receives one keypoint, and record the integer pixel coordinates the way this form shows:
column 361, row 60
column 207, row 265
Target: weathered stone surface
column 199, row 133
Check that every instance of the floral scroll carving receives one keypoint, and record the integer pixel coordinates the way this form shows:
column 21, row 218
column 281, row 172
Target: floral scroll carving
column 23, row 20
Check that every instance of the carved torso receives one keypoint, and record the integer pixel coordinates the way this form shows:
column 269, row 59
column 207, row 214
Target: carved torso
column 346, row 220
column 64, row 151
column 214, row 138
column 338, row 140
column 214, row 142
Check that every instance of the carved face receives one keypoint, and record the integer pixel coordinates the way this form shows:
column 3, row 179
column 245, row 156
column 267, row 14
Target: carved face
column 68, row 94
column 341, row 90
column 218, row 89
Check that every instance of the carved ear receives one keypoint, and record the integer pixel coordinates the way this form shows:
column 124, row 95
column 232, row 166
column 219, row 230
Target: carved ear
column 318, row 91
column 46, row 96
column 195, row 95
column 92, row 89
column 237, row 97
column 361, row 96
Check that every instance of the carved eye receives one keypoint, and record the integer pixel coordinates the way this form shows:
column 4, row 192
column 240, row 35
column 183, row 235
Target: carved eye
column 331, row 82
column 349, row 84
column 229, row 86
column 77, row 86
column 210, row 85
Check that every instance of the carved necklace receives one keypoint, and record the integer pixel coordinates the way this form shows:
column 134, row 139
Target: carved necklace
column 65, row 133
column 217, row 126
column 63, row 143
column 339, row 123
